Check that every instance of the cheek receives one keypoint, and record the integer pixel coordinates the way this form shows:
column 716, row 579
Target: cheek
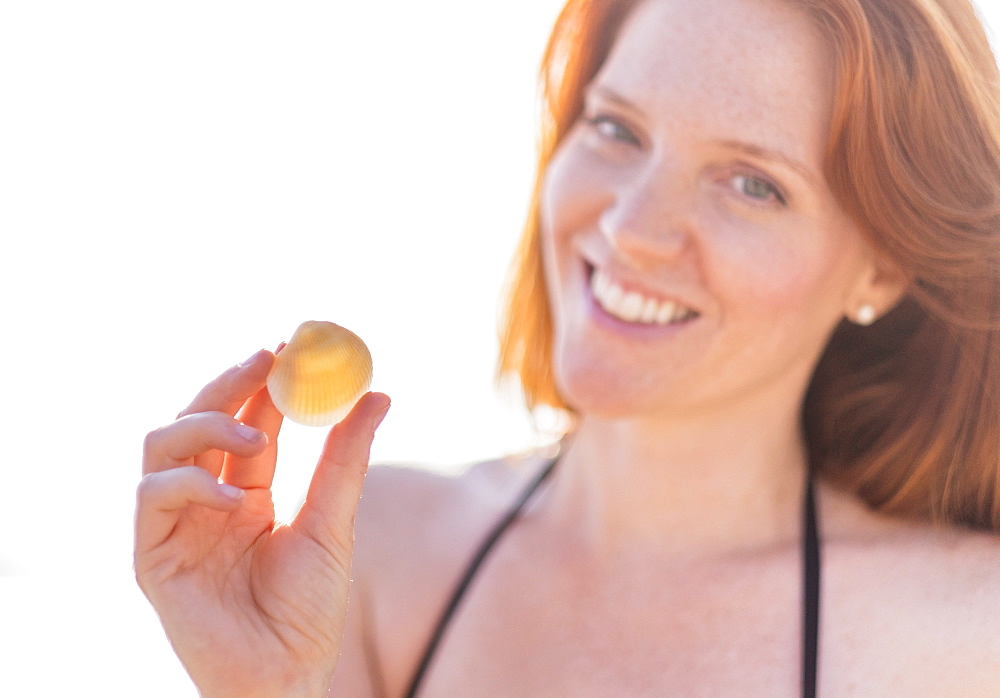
column 568, row 204
column 574, row 190
column 789, row 274
column 552, row 214
column 549, row 217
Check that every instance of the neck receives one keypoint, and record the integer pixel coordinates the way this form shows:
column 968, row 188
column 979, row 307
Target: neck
column 729, row 483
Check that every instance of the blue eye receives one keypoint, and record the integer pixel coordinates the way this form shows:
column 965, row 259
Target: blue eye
column 757, row 188
column 612, row 129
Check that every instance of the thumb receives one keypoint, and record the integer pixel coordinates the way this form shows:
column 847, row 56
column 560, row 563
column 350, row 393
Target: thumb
column 332, row 499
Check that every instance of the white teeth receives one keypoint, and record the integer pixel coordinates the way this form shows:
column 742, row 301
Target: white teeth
column 649, row 310
column 666, row 312
column 631, row 306
column 634, row 307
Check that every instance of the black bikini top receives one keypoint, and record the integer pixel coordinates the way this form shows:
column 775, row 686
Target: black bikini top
column 811, row 567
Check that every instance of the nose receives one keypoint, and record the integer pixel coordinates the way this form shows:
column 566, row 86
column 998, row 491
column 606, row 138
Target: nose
column 648, row 215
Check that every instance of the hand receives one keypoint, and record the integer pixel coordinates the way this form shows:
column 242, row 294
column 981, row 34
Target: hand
column 251, row 607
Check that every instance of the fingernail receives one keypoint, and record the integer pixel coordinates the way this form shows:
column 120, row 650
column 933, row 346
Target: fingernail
column 253, row 357
column 248, row 433
column 231, row 491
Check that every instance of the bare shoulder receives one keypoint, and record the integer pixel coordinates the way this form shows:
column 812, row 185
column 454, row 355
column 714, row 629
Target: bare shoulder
column 407, row 510
column 958, row 559
column 910, row 601
column 416, row 531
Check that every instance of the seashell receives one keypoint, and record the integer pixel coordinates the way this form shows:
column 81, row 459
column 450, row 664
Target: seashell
column 319, row 375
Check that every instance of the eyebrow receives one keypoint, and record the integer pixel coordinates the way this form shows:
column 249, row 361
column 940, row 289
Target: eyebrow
column 751, row 149
column 609, row 95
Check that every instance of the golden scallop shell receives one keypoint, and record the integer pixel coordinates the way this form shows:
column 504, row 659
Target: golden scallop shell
column 319, row 375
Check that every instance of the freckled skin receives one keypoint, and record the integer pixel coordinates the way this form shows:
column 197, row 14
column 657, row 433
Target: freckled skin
column 770, row 282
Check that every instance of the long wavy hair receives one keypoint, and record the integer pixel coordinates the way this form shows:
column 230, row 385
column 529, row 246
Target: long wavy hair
column 903, row 413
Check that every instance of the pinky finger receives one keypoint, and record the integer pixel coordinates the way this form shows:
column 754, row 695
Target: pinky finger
column 162, row 497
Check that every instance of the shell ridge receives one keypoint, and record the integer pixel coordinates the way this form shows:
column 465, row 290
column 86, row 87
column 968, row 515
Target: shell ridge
column 322, row 371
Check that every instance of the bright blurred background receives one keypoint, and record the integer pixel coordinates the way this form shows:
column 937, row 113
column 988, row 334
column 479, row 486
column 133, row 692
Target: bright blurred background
column 182, row 183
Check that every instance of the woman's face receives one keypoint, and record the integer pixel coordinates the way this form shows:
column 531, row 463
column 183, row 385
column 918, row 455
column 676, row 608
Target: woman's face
column 694, row 253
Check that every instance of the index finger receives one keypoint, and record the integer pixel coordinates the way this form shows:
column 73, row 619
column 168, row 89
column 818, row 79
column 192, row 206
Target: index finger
column 229, row 391
column 249, row 470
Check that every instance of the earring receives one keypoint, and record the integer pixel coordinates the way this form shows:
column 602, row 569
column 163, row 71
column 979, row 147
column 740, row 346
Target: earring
column 865, row 315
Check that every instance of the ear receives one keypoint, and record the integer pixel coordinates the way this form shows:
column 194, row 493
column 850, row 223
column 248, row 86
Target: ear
column 880, row 287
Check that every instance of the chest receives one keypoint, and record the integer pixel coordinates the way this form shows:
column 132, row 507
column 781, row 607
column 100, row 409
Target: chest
column 548, row 627
column 543, row 626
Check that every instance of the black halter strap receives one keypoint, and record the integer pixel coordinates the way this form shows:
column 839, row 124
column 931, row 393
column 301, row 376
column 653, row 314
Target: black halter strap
column 810, row 592
column 810, row 598
column 459, row 593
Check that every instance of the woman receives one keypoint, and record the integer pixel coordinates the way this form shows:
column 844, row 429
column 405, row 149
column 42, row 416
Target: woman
column 761, row 275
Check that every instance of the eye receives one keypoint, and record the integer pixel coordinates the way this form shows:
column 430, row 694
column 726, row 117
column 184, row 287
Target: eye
column 757, row 188
column 611, row 128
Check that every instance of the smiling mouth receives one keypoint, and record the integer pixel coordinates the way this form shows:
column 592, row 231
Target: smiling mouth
column 634, row 307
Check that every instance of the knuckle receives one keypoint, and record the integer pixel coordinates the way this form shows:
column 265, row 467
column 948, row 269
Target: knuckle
column 207, row 393
column 146, row 487
column 140, row 578
column 158, row 442
column 223, row 381
column 150, row 443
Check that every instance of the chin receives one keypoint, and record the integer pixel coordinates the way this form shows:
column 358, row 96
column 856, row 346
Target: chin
column 604, row 392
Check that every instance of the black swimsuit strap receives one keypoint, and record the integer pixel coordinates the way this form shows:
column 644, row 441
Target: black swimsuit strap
column 811, row 567
column 810, row 592
column 459, row 593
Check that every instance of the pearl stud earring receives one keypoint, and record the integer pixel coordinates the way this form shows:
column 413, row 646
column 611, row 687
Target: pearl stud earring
column 865, row 315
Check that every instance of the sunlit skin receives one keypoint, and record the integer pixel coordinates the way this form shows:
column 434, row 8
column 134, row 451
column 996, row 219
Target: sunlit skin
column 695, row 174
column 273, row 596
column 663, row 558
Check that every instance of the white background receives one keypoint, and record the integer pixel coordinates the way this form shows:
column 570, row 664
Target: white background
column 182, row 183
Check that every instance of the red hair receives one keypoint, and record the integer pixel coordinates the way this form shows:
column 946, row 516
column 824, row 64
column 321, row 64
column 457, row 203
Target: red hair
column 903, row 413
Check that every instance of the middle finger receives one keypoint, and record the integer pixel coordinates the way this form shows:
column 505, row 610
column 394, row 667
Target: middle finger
column 190, row 439
column 256, row 470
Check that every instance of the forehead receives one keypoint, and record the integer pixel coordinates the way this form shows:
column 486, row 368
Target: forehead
column 728, row 65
